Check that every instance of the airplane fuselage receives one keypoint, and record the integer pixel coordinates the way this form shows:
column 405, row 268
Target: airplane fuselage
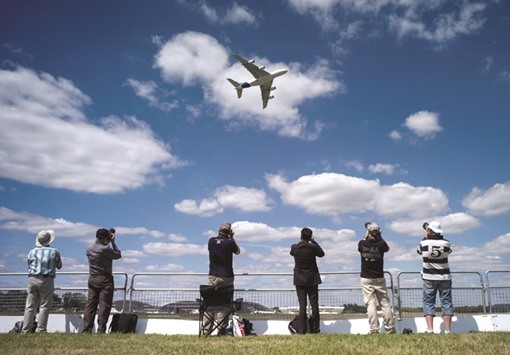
column 264, row 80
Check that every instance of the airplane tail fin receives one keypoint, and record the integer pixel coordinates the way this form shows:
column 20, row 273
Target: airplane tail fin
column 238, row 87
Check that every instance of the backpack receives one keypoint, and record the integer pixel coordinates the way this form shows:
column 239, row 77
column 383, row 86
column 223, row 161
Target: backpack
column 241, row 326
column 123, row 323
column 294, row 325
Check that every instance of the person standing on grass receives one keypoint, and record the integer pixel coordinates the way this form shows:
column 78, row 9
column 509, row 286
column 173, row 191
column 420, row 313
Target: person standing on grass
column 372, row 248
column 100, row 284
column 436, row 275
column 307, row 279
column 42, row 262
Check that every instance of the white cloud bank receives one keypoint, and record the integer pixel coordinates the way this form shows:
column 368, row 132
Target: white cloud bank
column 235, row 197
column 334, row 194
column 46, row 139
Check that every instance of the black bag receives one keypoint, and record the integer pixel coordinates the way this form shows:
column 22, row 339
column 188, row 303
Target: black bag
column 123, row 323
column 294, row 325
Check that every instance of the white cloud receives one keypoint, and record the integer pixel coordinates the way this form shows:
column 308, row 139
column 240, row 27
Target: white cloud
column 236, row 15
column 197, row 59
column 240, row 15
column 235, row 197
column 454, row 223
column 504, row 75
column 424, row 124
column 335, row 194
column 445, row 27
column 435, row 21
column 491, row 202
column 356, row 165
column 165, row 268
column 150, row 91
column 174, row 249
column 387, row 169
column 395, row 135
column 46, row 140
column 31, row 223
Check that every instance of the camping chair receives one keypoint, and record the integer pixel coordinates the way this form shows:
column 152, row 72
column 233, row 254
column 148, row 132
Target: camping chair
column 213, row 300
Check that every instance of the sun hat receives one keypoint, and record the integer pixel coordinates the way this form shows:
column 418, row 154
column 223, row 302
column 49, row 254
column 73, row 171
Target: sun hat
column 45, row 238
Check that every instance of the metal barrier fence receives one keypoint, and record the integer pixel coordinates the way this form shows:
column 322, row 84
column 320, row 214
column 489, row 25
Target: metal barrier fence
column 468, row 293
column 498, row 295
column 266, row 295
column 274, row 296
column 69, row 296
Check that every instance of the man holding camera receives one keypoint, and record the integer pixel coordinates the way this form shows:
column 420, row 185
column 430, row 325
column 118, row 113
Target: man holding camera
column 101, row 286
column 436, row 275
column 307, row 279
column 221, row 272
column 372, row 248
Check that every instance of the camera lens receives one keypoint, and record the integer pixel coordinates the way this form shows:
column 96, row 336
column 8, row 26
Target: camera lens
column 425, row 225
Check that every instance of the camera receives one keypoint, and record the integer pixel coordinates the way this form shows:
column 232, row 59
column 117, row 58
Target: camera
column 407, row 331
column 367, row 223
column 425, row 225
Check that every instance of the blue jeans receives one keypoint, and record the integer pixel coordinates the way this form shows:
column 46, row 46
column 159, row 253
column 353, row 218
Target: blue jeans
column 444, row 288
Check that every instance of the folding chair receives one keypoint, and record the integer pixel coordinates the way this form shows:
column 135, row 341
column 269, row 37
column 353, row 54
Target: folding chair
column 216, row 305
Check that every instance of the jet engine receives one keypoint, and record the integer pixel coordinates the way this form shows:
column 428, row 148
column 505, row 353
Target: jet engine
column 273, row 88
column 251, row 61
column 271, row 97
column 262, row 67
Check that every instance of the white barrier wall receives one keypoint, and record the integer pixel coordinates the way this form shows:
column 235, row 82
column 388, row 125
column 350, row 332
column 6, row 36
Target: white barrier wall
column 73, row 323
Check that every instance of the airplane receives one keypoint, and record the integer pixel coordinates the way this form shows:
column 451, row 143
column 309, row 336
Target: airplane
column 262, row 79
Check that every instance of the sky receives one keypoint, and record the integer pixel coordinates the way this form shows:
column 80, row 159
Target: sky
column 119, row 114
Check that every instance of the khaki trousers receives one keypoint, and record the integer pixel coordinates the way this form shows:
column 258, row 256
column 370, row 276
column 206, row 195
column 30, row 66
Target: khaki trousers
column 374, row 291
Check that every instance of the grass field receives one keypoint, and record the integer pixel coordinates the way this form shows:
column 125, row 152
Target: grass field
column 392, row 344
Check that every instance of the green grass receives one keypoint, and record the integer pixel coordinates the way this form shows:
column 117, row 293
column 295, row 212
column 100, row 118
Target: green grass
column 392, row 344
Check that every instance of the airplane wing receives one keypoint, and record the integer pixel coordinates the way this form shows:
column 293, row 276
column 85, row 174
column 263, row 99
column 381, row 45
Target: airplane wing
column 265, row 90
column 252, row 68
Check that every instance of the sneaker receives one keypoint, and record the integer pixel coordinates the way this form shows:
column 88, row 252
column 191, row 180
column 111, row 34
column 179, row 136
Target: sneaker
column 447, row 332
column 428, row 331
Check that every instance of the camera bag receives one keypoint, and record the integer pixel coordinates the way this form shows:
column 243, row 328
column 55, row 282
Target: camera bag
column 123, row 323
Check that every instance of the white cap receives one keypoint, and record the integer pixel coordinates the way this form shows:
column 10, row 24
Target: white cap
column 435, row 227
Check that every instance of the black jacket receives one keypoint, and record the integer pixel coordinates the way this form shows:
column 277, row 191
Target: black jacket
column 306, row 272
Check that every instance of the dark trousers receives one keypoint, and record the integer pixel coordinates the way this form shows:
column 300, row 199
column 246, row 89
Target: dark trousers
column 99, row 300
column 312, row 292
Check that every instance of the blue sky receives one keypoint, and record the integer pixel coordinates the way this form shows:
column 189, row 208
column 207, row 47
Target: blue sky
column 118, row 114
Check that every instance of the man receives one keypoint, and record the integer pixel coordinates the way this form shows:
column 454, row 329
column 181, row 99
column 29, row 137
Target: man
column 372, row 248
column 307, row 279
column 436, row 275
column 221, row 272
column 42, row 262
column 101, row 287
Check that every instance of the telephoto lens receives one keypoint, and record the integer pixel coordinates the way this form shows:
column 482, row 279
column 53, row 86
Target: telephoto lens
column 367, row 223
column 425, row 225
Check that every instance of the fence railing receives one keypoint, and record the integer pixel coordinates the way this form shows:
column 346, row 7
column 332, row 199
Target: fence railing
column 468, row 293
column 497, row 284
column 69, row 296
column 266, row 295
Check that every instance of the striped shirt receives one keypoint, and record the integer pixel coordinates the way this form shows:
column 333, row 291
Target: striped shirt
column 435, row 251
column 42, row 261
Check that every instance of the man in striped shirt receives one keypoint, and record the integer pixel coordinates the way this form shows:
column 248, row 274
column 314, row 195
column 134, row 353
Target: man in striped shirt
column 42, row 262
column 436, row 275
